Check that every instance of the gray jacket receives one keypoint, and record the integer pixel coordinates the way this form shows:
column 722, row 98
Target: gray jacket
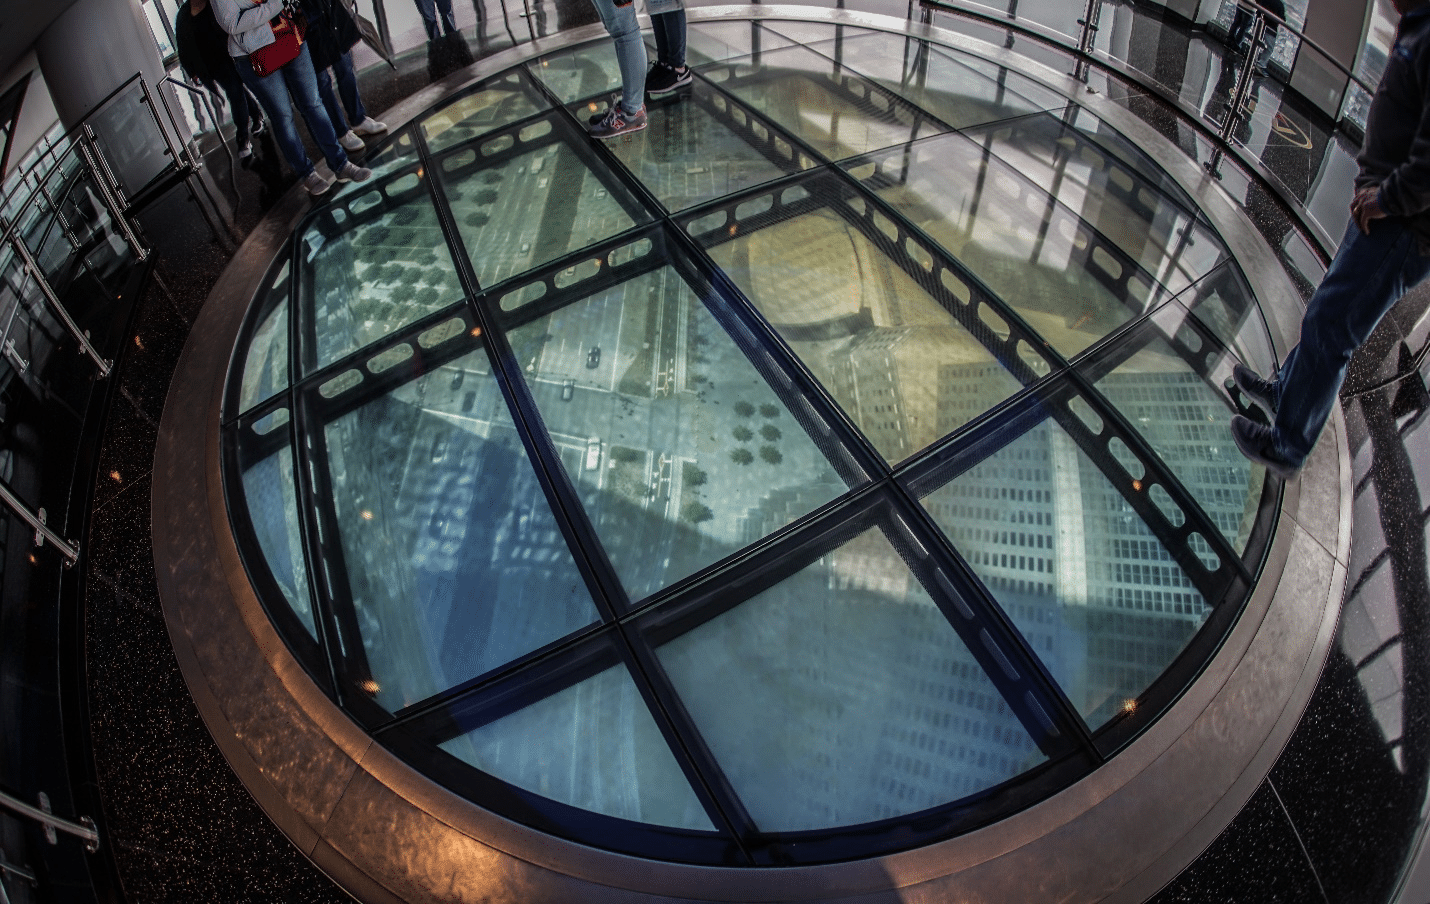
column 246, row 22
column 1395, row 156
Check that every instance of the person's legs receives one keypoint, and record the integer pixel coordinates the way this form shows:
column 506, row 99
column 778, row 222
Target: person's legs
column 625, row 31
column 233, row 89
column 348, row 88
column 669, row 29
column 428, row 10
column 272, row 94
column 329, row 97
column 449, row 20
column 1367, row 277
column 302, row 84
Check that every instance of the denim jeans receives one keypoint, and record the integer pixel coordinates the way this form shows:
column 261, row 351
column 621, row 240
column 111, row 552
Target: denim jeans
column 621, row 24
column 273, row 91
column 670, row 37
column 429, row 10
column 351, row 111
column 1368, row 276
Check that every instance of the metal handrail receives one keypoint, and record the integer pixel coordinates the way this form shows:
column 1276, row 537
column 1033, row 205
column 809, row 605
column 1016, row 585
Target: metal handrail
column 84, row 829
column 37, row 521
column 1301, row 38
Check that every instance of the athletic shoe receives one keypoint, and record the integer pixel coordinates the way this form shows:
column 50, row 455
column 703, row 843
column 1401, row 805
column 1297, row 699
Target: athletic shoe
column 1254, row 441
column 665, row 78
column 316, row 183
column 257, row 127
column 1256, row 391
column 370, row 126
column 350, row 141
column 618, row 122
column 245, row 151
column 351, row 172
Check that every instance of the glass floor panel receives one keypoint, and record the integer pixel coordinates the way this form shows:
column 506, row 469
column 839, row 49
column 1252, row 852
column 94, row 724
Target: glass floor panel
column 681, row 452
column 504, row 239
column 442, row 596
column 265, row 371
column 272, row 495
column 1028, row 249
column 365, row 279
column 713, row 42
column 842, row 695
column 579, row 73
column 1093, row 592
column 593, row 745
column 880, row 344
column 499, row 102
column 837, row 114
column 695, row 150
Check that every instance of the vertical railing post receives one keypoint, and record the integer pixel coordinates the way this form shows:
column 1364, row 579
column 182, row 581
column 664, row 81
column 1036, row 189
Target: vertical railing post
column 1087, row 38
column 28, row 259
column 104, row 180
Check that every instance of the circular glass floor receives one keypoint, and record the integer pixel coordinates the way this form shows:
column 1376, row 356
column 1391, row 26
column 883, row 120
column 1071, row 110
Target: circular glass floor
column 837, row 465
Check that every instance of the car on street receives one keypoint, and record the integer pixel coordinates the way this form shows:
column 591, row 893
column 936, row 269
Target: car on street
column 568, row 389
column 593, row 357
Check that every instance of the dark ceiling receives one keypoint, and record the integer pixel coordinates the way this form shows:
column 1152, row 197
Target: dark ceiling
column 21, row 22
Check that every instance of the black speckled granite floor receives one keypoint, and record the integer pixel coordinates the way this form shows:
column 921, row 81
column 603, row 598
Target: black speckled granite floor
column 1334, row 822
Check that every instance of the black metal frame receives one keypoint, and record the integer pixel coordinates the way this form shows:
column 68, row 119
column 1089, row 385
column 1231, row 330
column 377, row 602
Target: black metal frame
column 882, row 495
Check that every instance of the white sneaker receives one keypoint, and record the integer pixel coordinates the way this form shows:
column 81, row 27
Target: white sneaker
column 351, row 142
column 316, row 183
column 370, row 126
column 351, row 172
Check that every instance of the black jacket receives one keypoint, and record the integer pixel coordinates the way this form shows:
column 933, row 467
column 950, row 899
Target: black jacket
column 202, row 45
column 332, row 31
column 1396, row 153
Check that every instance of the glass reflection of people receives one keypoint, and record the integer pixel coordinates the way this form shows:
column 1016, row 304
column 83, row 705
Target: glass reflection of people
column 1241, row 26
column 1384, row 253
column 437, row 16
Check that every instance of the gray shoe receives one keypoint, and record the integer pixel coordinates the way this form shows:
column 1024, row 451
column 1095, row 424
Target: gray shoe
column 1256, row 390
column 351, row 172
column 350, row 141
column 316, row 183
column 1256, row 442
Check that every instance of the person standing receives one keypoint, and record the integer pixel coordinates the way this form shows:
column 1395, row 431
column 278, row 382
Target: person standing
column 203, row 53
column 667, row 19
column 1385, row 252
column 430, row 9
column 247, row 24
column 332, row 33
column 627, row 112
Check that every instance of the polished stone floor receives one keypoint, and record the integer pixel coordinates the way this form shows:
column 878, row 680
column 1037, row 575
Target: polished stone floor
column 1335, row 821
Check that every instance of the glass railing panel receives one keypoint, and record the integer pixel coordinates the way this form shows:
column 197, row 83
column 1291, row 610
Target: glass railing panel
column 680, row 450
column 455, row 563
column 373, row 266
column 712, row 42
column 1030, row 250
column 960, row 89
column 591, row 744
column 842, row 695
column 128, row 136
column 872, row 334
column 1091, row 588
column 836, row 113
column 704, row 148
column 571, row 202
column 265, row 462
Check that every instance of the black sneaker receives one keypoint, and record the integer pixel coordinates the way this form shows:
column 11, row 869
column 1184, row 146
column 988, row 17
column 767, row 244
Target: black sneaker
column 1255, row 442
column 1257, row 391
column 665, row 78
column 617, row 122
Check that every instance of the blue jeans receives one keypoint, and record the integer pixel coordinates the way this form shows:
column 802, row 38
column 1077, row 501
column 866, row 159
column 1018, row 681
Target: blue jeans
column 621, row 24
column 273, row 91
column 429, row 10
column 669, row 31
column 1368, row 276
column 351, row 111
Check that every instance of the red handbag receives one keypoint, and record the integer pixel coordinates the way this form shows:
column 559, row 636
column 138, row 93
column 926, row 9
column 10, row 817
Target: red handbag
column 287, row 42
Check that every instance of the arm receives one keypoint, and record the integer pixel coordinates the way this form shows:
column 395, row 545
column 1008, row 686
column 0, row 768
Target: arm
column 238, row 16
